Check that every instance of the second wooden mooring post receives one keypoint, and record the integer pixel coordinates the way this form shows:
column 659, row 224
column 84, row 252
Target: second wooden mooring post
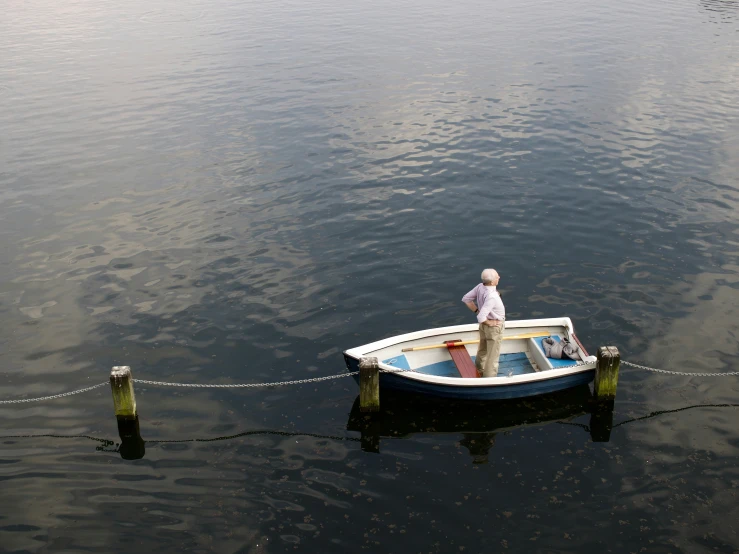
column 369, row 385
column 606, row 377
column 124, row 400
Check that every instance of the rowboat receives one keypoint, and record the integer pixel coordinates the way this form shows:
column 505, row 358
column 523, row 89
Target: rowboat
column 437, row 362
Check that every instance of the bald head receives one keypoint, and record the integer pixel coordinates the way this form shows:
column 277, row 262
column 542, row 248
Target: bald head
column 489, row 277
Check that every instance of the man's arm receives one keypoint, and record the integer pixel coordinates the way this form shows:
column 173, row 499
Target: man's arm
column 485, row 309
column 469, row 298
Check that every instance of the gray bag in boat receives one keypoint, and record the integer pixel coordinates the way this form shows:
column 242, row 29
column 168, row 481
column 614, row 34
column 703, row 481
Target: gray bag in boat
column 562, row 349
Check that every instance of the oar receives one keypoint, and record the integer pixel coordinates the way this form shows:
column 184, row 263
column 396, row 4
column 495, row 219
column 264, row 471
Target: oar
column 460, row 343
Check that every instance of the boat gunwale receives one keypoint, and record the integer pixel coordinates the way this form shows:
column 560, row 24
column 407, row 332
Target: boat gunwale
column 357, row 352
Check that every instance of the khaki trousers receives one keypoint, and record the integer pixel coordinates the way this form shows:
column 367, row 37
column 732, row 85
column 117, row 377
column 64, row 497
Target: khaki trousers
column 488, row 353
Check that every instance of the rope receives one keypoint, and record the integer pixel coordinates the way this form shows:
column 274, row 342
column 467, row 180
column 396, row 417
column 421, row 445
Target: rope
column 661, row 412
column 21, row 401
column 105, row 442
column 581, row 425
column 684, row 374
column 259, row 432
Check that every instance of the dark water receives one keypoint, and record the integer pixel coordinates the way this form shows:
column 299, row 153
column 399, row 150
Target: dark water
column 218, row 192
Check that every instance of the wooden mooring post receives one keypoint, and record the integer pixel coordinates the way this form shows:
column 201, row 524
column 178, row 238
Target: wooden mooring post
column 369, row 385
column 606, row 377
column 124, row 401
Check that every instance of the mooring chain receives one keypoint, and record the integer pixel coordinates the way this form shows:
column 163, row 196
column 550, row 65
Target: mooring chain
column 578, row 364
column 194, row 385
column 23, row 400
column 327, row 378
column 248, row 385
column 683, row 373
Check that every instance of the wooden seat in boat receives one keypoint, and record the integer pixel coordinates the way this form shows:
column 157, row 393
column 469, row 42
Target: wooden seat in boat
column 462, row 359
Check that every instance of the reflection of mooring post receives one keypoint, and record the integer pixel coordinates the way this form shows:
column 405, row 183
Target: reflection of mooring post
column 601, row 423
column 124, row 401
column 369, row 385
column 132, row 445
column 370, row 433
column 606, row 377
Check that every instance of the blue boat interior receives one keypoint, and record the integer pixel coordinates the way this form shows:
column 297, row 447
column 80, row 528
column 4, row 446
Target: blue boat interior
column 509, row 365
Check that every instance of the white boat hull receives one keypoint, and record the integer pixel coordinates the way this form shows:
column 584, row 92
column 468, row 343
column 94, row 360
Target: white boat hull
column 524, row 369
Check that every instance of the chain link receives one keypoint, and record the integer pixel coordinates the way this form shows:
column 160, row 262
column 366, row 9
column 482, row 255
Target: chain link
column 578, row 364
column 193, row 385
column 53, row 396
column 327, row 378
column 247, row 385
column 685, row 374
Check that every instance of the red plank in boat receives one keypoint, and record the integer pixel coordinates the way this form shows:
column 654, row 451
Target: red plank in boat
column 584, row 352
column 461, row 358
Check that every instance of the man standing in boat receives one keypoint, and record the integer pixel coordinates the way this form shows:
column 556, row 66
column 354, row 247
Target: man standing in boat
column 485, row 301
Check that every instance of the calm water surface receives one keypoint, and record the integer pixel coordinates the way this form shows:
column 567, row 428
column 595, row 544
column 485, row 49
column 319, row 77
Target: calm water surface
column 234, row 192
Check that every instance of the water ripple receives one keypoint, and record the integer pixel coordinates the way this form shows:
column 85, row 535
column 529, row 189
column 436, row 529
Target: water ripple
column 241, row 190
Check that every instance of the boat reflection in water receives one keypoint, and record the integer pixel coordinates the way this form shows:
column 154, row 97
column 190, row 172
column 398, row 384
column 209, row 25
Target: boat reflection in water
column 403, row 415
